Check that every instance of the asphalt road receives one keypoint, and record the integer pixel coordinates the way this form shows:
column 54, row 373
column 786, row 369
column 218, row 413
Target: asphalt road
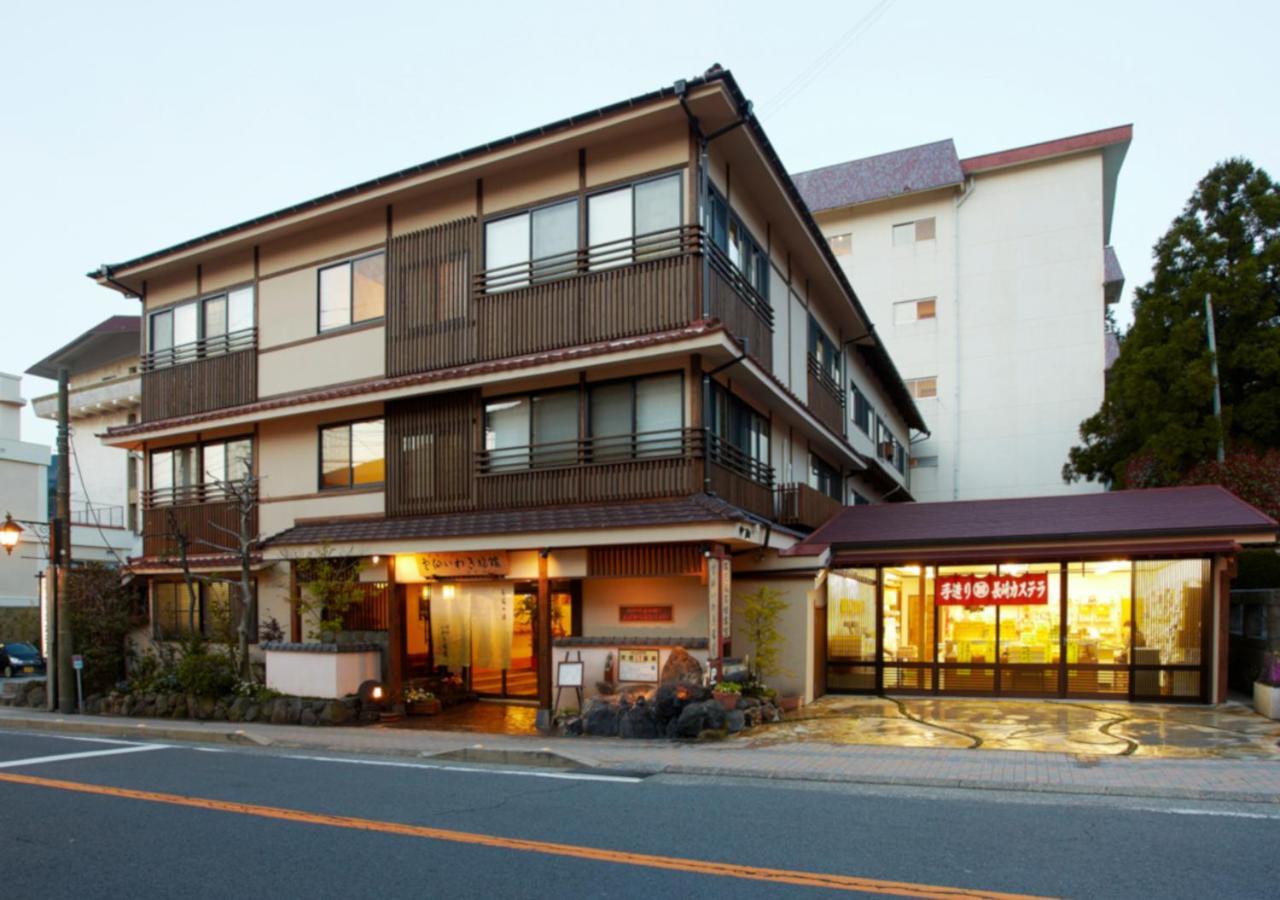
column 96, row 818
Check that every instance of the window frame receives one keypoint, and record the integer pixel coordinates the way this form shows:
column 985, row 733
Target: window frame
column 528, row 459
column 202, row 601
column 584, row 236
column 862, row 401
column 758, row 279
column 633, row 454
column 833, row 474
column 913, row 386
column 721, row 394
column 351, row 485
column 350, row 263
column 818, row 337
column 178, row 354
column 201, row 492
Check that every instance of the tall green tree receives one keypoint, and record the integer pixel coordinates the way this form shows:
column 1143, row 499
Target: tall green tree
column 1156, row 422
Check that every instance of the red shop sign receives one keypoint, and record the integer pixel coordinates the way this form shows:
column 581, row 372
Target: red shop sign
column 992, row 590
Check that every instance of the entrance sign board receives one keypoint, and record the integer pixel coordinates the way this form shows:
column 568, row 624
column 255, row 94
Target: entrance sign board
column 1028, row 589
column 726, row 599
column 645, row 614
column 483, row 563
column 569, row 673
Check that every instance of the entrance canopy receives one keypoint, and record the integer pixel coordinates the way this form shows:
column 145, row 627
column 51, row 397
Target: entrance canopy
column 1203, row 519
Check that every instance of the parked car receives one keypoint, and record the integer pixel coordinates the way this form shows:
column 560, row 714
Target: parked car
column 20, row 658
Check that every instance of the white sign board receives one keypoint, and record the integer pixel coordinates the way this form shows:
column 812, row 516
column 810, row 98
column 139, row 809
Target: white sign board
column 569, row 674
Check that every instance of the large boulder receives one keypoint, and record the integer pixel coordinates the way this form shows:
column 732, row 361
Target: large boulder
column 670, row 699
column 681, row 668
column 695, row 718
column 335, row 712
column 601, row 719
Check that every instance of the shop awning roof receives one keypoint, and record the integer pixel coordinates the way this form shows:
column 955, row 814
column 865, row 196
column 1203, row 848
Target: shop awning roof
column 1202, row 511
column 696, row 509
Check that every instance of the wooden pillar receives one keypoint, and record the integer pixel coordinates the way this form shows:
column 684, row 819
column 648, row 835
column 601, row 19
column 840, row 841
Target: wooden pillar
column 1220, row 623
column 395, row 635
column 295, row 609
column 545, row 713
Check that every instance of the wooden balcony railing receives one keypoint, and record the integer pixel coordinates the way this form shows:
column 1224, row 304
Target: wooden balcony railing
column 826, row 400
column 804, row 506
column 207, row 520
column 200, row 377
column 734, row 300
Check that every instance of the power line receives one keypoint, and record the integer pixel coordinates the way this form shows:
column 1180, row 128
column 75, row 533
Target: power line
column 91, row 509
column 820, row 63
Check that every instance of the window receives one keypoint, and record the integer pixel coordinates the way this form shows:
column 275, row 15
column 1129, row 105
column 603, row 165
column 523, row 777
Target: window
column 353, row 291
column 208, row 326
column 744, row 434
column 227, row 461
column 732, row 237
column 175, row 474
column 912, row 232
column 922, row 388
column 910, row 311
column 824, row 352
column 534, row 430
column 647, row 212
column 640, row 418
column 862, row 412
column 825, row 477
column 538, row 244
column 173, row 612
column 924, row 462
column 352, row 455
column 841, row 244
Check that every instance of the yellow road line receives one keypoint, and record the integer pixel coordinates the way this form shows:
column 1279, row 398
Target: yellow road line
column 698, row 867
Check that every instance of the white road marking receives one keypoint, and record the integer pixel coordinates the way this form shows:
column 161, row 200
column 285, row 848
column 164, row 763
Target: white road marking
column 88, row 754
column 65, row 737
column 527, row 773
column 1227, row 814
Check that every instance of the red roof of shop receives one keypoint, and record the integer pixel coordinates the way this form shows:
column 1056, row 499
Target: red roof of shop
column 1177, row 512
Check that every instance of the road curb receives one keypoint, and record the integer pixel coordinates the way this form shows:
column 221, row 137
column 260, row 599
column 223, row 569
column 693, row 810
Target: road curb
column 145, row 731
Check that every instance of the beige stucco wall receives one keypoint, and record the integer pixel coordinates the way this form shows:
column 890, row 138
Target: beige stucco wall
column 338, row 358
column 353, row 234
column 532, row 182
column 796, row 625
column 226, row 271
column 627, row 157
column 424, row 210
column 601, row 598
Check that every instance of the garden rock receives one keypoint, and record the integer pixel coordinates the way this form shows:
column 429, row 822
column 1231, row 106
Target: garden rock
column 36, row 696
column 601, row 719
column 235, row 712
column 695, row 718
column 161, row 705
column 251, row 712
column 280, row 712
column 681, row 668
column 571, row 727
column 308, row 717
column 334, row 712
column 640, row 722
column 735, row 720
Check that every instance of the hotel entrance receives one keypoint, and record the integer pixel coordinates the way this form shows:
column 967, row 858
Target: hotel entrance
column 482, row 634
column 1120, row 629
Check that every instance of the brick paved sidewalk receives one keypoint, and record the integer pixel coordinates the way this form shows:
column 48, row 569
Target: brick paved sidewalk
column 1251, row 781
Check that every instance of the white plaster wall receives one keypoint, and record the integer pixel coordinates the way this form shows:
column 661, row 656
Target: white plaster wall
column 1027, row 261
column 330, row 675
column 601, row 598
column 796, row 625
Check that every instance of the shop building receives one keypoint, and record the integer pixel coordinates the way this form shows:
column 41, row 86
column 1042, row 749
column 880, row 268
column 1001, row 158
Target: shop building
column 1122, row 595
column 549, row 391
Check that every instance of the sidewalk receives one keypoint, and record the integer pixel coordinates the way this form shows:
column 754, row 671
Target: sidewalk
column 1230, row 780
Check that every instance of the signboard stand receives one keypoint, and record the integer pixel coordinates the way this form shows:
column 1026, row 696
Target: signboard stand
column 569, row 674
column 77, row 663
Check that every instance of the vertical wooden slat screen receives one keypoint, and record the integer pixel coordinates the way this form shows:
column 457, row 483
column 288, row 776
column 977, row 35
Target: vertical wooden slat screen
column 431, row 453
column 646, row 560
column 203, row 385
column 430, row 319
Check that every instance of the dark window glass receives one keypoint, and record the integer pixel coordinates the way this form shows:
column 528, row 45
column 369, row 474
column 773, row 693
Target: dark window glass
column 825, row 477
column 861, row 411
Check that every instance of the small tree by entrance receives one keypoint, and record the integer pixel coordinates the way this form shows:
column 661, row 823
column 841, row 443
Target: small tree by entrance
column 330, row 587
column 761, row 611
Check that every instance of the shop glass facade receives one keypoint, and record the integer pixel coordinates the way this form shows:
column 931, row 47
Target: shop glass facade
column 1119, row 629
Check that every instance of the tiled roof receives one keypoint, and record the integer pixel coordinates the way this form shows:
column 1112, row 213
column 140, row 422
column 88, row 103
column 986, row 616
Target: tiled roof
column 1111, row 266
column 922, row 168
column 109, row 340
column 696, row 509
column 1111, row 350
column 1197, row 511
column 300, row 398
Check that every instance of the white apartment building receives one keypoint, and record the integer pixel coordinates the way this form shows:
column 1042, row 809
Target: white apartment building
column 105, row 391
column 989, row 277
column 23, row 495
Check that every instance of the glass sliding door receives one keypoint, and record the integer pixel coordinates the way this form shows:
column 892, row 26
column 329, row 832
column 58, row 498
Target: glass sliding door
column 1099, row 611
column 851, row 630
column 1170, row 605
column 908, row 628
column 1030, row 638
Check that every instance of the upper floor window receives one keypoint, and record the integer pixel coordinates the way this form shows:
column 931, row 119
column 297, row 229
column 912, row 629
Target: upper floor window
column 909, row 311
column 352, row 454
column 196, row 472
column 743, row 436
column 824, row 352
column 825, row 477
column 353, row 291
column 912, row 232
column 622, row 223
column 924, row 462
column 860, row 500
column 862, row 411
column 207, row 326
column 732, row 237
column 531, row 430
column 841, row 244
column 922, row 388
column 639, row 418
column 533, row 245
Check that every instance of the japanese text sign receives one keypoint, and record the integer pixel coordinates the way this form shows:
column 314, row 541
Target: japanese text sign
column 1028, row 589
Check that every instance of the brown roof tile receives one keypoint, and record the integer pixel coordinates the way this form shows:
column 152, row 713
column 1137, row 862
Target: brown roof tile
column 1202, row 510
column 680, row 511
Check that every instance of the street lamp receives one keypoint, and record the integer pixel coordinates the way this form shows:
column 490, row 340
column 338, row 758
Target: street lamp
column 10, row 531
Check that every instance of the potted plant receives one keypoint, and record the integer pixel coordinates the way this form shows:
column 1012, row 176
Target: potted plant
column 728, row 694
column 418, row 702
column 1266, row 690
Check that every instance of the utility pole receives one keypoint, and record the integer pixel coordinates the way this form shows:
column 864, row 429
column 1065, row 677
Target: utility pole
column 1213, row 368
column 61, row 526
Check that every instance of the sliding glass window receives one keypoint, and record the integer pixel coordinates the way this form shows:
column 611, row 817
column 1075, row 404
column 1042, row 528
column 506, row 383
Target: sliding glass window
column 352, row 454
column 634, row 419
column 634, row 222
column 535, row 245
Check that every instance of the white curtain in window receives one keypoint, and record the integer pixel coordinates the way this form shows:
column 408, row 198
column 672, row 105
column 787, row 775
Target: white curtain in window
column 335, row 297
column 609, row 222
column 506, row 243
column 162, row 470
column 185, row 326
column 659, row 409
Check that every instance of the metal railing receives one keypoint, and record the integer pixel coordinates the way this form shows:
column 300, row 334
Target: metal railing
column 96, row 515
column 614, row 448
column 220, row 345
column 183, row 495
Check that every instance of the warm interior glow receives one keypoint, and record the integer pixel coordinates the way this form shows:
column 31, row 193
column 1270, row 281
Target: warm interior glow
column 376, row 559
column 376, row 693
column 9, row 534
column 448, row 591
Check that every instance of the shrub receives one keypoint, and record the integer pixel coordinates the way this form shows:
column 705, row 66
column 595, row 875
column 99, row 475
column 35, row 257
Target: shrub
column 729, row 687
column 153, row 674
column 206, row 674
